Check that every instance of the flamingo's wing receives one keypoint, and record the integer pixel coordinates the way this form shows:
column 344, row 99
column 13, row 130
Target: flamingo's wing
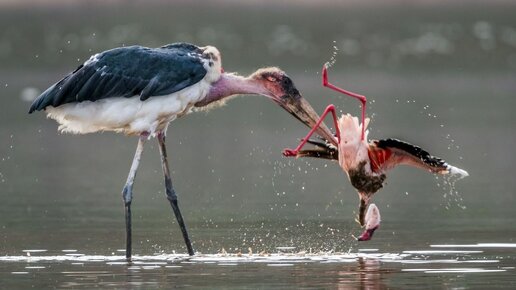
column 388, row 153
column 323, row 149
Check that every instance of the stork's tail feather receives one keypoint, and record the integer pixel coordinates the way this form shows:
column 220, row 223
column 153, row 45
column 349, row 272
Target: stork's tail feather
column 41, row 102
column 47, row 97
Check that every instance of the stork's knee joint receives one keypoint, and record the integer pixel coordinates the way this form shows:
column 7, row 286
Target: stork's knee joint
column 127, row 194
column 171, row 195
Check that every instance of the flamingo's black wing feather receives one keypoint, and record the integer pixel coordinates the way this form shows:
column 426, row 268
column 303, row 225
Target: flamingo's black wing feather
column 391, row 152
column 323, row 150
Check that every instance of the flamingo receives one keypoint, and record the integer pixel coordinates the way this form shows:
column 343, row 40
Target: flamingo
column 366, row 162
column 138, row 90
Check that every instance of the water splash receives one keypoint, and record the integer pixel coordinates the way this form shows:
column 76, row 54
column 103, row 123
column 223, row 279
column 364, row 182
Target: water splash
column 447, row 183
column 165, row 259
column 333, row 58
column 452, row 197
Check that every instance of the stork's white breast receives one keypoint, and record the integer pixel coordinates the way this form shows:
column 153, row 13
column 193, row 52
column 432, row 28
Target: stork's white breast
column 127, row 115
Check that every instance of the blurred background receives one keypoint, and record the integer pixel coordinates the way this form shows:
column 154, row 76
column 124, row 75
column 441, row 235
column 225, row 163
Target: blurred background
column 438, row 74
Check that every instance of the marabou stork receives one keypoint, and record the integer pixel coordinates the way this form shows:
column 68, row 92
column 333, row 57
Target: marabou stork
column 366, row 162
column 139, row 90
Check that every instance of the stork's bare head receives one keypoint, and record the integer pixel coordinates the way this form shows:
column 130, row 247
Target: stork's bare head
column 280, row 88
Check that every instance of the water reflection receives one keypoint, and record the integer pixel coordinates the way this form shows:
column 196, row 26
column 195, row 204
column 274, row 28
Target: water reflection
column 366, row 274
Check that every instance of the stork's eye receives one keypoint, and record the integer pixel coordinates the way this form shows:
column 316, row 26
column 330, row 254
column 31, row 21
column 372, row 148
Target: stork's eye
column 271, row 78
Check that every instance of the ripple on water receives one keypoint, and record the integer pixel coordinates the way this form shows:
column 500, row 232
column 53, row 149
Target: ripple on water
column 438, row 252
column 447, row 261
column 220, row 259
column 35, row 267
column 454, row 270
column 479, row 245
column 280, row 259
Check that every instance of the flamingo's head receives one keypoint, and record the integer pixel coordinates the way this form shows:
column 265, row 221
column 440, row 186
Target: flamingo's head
column 373, row 220
column 352, row 149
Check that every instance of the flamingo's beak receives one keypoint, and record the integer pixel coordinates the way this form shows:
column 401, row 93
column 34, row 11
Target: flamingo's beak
column 367, row 235
column 372, row 219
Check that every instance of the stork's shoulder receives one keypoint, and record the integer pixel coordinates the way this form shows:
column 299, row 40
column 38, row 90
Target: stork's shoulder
column 208, row 55
column 169, row 59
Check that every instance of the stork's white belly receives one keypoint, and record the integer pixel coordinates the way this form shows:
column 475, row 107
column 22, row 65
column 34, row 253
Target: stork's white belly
column 127, row 115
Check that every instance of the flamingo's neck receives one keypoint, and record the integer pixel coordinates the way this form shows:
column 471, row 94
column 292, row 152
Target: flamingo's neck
column 230, row 84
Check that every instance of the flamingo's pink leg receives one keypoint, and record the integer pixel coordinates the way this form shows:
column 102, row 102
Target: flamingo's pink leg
column 361, row 98
column 331, row 108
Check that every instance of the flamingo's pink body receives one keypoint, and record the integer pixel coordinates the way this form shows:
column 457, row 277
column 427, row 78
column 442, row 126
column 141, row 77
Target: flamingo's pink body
column 366, row 162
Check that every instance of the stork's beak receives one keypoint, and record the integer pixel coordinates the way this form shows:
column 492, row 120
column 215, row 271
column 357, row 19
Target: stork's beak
column 303, row 111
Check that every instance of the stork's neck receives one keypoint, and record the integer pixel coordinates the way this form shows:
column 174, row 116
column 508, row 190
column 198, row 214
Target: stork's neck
column 230, row 84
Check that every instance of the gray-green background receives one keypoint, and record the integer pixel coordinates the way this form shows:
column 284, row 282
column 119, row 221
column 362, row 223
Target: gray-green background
column 438, row 75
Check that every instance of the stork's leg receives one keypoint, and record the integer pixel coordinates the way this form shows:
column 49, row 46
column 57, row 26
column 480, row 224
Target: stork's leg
column 171, row 194
column 127, row 194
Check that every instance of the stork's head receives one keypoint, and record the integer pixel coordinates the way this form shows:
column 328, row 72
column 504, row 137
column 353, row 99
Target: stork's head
column 279, row 87
column 352, row 149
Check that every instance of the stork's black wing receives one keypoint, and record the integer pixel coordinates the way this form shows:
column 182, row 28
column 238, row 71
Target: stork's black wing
column 126, row 72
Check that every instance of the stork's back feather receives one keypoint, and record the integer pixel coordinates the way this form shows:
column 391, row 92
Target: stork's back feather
column 126, row 72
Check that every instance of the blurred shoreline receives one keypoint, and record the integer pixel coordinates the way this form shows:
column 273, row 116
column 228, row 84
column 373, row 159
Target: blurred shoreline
column 256, row 3
column 447, row 38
